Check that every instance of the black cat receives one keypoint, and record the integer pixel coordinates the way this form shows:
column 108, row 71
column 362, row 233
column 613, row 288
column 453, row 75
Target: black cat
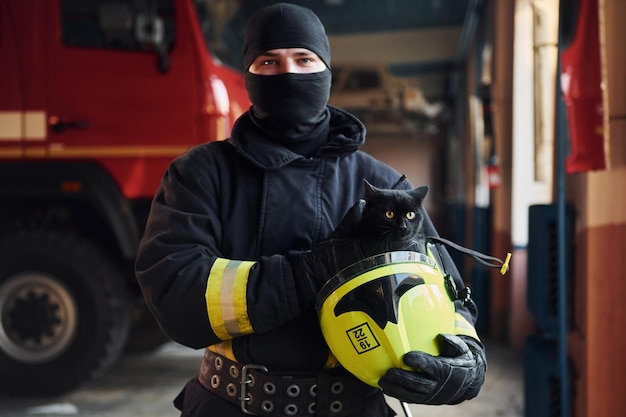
column 394, row 217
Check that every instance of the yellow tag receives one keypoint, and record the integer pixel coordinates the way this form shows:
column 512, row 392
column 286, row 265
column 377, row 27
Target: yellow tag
column 505, row 265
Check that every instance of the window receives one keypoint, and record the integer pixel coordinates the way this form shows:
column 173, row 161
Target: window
column 111, row 24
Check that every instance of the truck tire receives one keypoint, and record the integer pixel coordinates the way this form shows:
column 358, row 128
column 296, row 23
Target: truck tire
column 64, row 313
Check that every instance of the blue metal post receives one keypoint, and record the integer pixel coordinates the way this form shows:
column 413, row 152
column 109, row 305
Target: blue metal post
column 561, row 148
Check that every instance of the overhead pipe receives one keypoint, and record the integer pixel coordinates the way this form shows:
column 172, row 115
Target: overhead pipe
column 468, row 30
column 470, row 22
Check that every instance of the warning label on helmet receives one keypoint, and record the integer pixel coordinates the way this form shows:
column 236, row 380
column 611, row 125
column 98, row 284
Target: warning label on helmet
column 362, row 338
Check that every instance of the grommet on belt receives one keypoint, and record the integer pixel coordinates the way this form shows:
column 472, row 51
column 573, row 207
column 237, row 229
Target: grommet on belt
column 234, row 372
column 336, row 388
column 293, row 390
column 336, row 406
column 312, row 408
column 231, row 389
column 218, row 363
column 269, row 388
column 215, row 381
column 291, row 409
column 250, row 380
column 313, row 390
column 267, row 406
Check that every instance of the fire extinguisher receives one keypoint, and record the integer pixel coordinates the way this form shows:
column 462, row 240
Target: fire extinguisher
column 494, row 179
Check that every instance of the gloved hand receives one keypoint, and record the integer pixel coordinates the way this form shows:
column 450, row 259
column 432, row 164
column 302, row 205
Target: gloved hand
column 454, row 376
column 314, row 267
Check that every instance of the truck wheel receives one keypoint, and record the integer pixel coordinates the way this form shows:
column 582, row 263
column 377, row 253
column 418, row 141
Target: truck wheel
column 64, row 313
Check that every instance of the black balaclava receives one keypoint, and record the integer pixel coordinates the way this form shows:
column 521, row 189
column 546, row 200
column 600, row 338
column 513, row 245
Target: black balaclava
column 290, row 107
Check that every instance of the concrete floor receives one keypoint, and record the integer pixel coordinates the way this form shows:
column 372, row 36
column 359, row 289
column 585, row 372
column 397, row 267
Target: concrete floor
column 144, row 386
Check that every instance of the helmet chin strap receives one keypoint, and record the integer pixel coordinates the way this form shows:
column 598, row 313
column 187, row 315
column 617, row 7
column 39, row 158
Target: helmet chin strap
column 483, row 259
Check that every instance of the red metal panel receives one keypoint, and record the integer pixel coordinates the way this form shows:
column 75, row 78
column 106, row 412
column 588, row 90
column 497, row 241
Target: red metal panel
column 581, row 80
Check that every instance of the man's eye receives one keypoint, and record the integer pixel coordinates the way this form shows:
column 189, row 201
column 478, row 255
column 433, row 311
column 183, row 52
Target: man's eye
column 390, row 214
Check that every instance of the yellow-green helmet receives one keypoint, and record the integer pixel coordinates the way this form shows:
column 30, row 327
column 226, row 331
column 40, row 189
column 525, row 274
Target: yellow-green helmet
column 380, row 308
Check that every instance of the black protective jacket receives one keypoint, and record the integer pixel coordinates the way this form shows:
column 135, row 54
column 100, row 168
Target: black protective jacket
column 251, row 199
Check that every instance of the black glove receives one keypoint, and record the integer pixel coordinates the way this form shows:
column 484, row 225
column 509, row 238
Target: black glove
column 454, row 376
column 313, row 268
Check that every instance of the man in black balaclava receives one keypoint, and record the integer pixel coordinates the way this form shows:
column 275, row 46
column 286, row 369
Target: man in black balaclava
column 235, row 249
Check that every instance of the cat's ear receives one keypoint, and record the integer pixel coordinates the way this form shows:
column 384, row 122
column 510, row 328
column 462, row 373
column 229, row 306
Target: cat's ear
column 420, row 192
column 370, row 190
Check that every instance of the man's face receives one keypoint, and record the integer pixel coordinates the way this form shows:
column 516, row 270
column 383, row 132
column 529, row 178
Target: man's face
column 281, row 61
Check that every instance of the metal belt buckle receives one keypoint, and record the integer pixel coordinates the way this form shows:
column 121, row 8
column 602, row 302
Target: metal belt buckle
column 247, row 379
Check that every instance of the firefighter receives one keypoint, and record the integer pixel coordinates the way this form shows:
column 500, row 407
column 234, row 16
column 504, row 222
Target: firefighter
column 230, row 252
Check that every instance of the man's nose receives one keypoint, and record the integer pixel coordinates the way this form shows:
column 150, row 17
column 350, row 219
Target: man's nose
column 288, row 65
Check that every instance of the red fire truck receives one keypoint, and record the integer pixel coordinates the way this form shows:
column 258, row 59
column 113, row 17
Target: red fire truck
column 96, row 98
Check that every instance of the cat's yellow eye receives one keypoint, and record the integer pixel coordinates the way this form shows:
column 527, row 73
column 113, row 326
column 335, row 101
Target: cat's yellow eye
column 390, row 214
column 410, row 215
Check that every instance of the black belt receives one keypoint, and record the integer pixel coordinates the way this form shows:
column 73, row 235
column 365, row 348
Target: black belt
column 260, row 393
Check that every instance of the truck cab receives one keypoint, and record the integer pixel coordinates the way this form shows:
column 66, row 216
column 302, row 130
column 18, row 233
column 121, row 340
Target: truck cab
column 97, row 98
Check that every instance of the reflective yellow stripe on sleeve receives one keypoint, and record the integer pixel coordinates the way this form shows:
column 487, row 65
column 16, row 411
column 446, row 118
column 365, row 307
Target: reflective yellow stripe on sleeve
column 462, row 326
column 226, row 298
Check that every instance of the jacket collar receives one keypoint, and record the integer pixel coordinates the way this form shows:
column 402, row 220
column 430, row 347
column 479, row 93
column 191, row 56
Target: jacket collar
column 346, row 135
